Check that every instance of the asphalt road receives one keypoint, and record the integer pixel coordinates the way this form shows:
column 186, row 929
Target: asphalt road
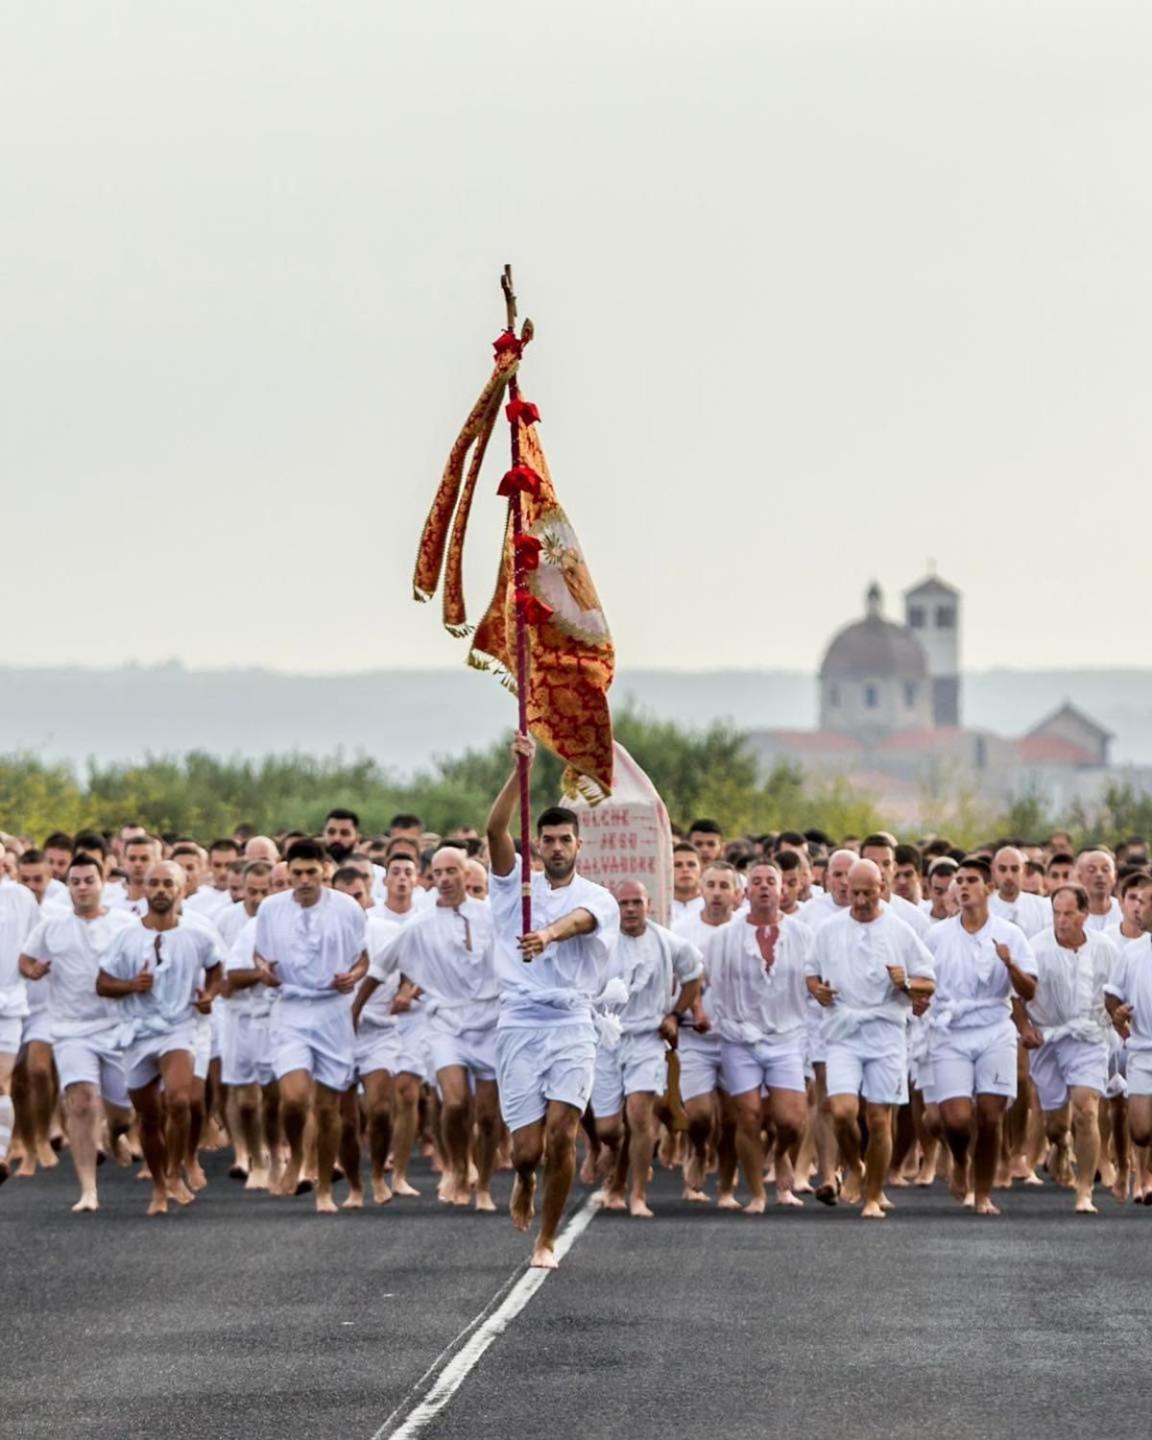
column 245, row 1318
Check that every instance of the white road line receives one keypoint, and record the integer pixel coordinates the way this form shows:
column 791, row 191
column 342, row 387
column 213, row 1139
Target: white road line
column 450, row 1368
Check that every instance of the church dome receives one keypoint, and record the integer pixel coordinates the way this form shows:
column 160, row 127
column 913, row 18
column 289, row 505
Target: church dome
column 874, row 649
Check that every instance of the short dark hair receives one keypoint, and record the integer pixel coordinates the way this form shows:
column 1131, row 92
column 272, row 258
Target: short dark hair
column 978, row 863
column 188, row 847
column 1077, row 891
column 685, row 847
column 31, row 856
column 58, row 840
column 403, row 843
column 406, row 821
column 909, row 855
column 347, row 873
column 1134, row 880
column 340, row 813
column 558, row 815
column 791, row 837
column 83, row 859
column 784, row 860
column 258, row 867
column 148, row 840
column 1062, row 857
column 306, row 850
column 92, row 841
column 876, row 841
column 705, row 827
column 943, row 865
column 223, row 845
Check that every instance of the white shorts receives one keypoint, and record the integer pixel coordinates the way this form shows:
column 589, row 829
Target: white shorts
column 1060, row 1064
column 700, row 1069
column 11, row 1031
column 881, row 1078
column 475, row 1050
column 1139, row 1072
column 93, row 1060
column 413, row 1059
column 817, row 1050
column 317, row 1036
column 37, row 1029
column 537, row 1064
column 980, row 1060
column 377, row 1048
column 636, row 1067
column 1117, row 1067
column 246, row 1057
column 778, row 1067
column 217, row 1021
column 142, row 1057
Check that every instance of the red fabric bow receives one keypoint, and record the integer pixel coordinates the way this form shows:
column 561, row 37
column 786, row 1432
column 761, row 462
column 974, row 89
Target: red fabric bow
column 522, row 410
column 506, row 340
column 528, row 550
column 766, row 937
column 533, row 609
column 520, row 477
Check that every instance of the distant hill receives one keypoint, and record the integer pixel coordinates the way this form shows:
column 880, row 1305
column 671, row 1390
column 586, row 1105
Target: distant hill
column 404, row 718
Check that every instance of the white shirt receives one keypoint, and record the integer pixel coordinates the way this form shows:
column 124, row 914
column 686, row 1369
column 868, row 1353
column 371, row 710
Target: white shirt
column 853, row 958
column 19, row 916
column 911, row 914
column 820, row 908
column 973, row 987
column 310, row 944
column 449, row 952
column 74, row 948
column 752, row 1003
column 1131, row 983
column 231, row 920
column 1069, row 996
column 208, row 902
column 681, row 909
column 177, row 962
column 1030, row 913
column 255, row 1000
column 653, row 966
column 1101, row 922
column 558, row 986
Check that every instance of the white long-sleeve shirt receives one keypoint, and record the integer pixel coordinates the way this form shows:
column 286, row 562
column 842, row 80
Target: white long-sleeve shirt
column 973, row 987
column 1131, row 983
column 1069, row 997
column 653, row 966
column 754, row 1003
column 449, row 952
column 853, row 958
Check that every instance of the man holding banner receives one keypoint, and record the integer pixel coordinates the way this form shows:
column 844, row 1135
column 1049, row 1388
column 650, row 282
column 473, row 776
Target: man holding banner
column 550, row 980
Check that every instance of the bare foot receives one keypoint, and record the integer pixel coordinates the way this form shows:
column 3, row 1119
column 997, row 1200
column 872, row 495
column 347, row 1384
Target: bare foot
column 159, row 1203
column 984, row 1206
column 122, row 1152
column 144, row 1173
column 612, row 1200
column 828, row 1193
column 179, row 1192
column 543, row 1258
column 325, row 1205
column 86, row 1204
column 924, row 1178
column 197, row 1180
column 755, row 1206
column 872, row 1210
column 354, row 1200
column 46, row 1157
column 694, row 1172
column 789, row 1197
column 1084, row 1205
column 258, row 1179
column 728, row 1201
column 521, row 1207
column 958, row 1184
column 402, row 1187
column 970, row 1200
column 26, row 1168
column 588, row 1170
column 289, row 1179
column 381, row 1193
column 1032, row 1178
column 1120, row 1187
column 694, row 1197
column 898, row 1182
column 885, row 1203
column 484, row 1202
column 639, row 1209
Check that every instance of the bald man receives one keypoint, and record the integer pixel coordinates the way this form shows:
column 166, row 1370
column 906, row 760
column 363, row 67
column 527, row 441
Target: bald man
column 865, row 970
column 260, row 847
column 661, row 972
column 1010, row 901
column 164, row 973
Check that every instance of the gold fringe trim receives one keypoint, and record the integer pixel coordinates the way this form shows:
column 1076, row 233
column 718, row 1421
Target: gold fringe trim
column 479, row 660
column 576, row 783
column 459, row 631
column 421, row 596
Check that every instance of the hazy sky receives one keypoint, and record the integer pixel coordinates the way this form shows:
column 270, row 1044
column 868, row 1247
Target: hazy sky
column 822, row 289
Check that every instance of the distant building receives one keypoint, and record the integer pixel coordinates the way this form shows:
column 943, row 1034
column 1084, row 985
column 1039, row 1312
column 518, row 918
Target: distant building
column 890, row 707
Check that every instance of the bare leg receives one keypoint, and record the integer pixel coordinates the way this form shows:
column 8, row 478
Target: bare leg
column 641, row 1108
column 350, row 1149
column 178, row 1079
column 726, row 1154
column 989, row 1115
column 455, row 1130
column 610, row 1134
column 196, row 1113
column 876, row 1158
column 561, row 1123
column 789, row 1113
column 527, row 1151
column 326, row 1112
column 378, row 1095
column 245, row 1104
column 407, row 1094
column 957, row 1117
column 1086, row 1143
column 845, row 1112
column 701, row 1111
column 295, row 1103
column 84, row 1115
column 487, row 1132
column 1118, row 1119
column 147, row 1104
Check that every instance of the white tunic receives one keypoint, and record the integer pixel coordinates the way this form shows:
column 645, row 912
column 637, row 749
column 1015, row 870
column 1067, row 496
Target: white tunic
column 19, row 916
column 558, row 986
column 74, row 948
column 1131, row 983
column 681, row 909
column 177, row 958
column 1069, row 996
column 1030, row 913
column 310, row 944
column 1113, row 916
column 973, row 987
column 653, row 967
column 853, row 958
column 448, row 951
column 752, row 1003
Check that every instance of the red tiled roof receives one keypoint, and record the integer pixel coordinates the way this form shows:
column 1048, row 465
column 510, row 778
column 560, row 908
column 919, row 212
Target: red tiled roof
column 1053, row 750
column 924, row 739
column 813, row 741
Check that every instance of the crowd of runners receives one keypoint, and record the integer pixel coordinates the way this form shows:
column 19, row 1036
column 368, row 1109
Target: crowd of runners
column 821, row 1021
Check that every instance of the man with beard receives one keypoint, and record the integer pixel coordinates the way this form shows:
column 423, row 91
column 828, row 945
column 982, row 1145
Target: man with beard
column 1011, row 902
column 155, row 970
column 341, row 833
column 549, row 979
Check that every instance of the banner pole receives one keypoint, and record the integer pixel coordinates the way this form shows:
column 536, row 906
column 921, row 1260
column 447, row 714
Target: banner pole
column 517, row 510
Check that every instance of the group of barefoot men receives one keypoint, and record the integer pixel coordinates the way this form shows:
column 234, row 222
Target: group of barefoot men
column 837, row 1024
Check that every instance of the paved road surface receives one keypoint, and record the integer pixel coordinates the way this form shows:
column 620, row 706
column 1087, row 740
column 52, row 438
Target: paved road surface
column 248, row 1319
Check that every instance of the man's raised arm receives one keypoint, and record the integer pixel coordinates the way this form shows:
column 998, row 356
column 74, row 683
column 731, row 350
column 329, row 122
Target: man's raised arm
column 501, row 850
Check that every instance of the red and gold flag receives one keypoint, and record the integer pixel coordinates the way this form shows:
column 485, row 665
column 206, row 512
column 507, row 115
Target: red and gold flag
column 571, row 658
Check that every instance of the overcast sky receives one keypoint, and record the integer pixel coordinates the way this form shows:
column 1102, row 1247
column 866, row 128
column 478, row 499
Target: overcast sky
column 823, row 289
